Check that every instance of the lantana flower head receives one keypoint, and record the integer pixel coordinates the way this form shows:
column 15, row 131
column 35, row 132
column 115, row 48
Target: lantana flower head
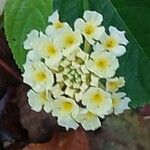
column 76, row 87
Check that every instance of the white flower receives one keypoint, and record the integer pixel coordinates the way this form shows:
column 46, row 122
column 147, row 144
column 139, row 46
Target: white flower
column 40, row 100
column 103, row 64
column 90, row 27
column 38, row 76
column 32, row 55
column 31, row 41
column 97, row 101
column 49, row 50
column 56, row 25
column 113, row 84
column 31, row 44
column 66, row 110
column 115, row 42
column 68, row 41
column 88, row 120
column 120, row 102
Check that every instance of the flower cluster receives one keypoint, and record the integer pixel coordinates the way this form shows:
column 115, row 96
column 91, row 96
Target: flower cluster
column 72, row 71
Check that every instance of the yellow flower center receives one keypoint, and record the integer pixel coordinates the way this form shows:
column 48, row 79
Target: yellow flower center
column 113, row 85
column 58, row 25
column 89, row 28
column 115, row 102
column 69, row 40
column 97, row 98
column 110, row 43
column 89, row 115
column 51, row 50
column 102, row 63
column 43, row 96
column 40, row 76
column 67, row 106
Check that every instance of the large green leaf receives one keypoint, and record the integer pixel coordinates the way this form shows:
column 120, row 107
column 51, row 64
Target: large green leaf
column 21, row 16
column 134, row 65
column 135, row 13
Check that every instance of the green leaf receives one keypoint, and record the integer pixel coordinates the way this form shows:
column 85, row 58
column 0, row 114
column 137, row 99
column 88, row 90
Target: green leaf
column 134, row 65
column 135, row 13
column 20, row 17
column 69, row 10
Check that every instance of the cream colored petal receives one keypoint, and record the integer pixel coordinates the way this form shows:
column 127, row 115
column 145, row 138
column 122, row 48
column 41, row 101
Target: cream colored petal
column 31, row 41
column 33, row 55
column 68, row 123
column 34, row 101
column 122, row 103
column 53, row 17
column 84, row 69
column 88, row 121
column 93, row 16
column 53, row 61
column 99, row 32
column 48, row 105
column 79, row 25
column 120, row 35
column 70, row 92
column 57, row 91
column 50, row 31
column 94, row 81
column 98, row 47
column 119, row 51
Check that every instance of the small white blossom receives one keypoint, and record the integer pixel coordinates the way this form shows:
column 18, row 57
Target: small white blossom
column 114, row 43
column 56, row 25
column 38, row 76
column 90, row 26
column 88, row 120
column 113, row 84
column 120, row 102
column 69, row 40
column 97, row 101
column 103, row 64
column 48, row 49
column 66, row 110
column 31, row 41
column 40, row 100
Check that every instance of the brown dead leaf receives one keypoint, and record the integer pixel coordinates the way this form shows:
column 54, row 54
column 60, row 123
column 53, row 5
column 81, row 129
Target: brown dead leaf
column 40, row 125
column 64, row 140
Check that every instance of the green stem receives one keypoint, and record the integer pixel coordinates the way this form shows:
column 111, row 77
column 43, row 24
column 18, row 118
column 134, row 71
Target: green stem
column 86, row 46
column 85, row 4
column 101, row 85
